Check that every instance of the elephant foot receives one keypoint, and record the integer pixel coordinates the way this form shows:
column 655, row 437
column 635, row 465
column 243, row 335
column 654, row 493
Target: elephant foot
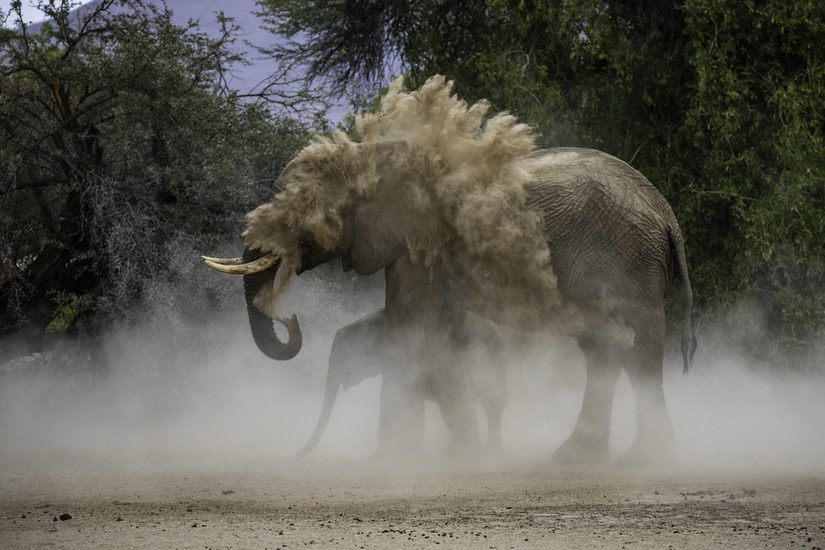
column 648, row 452
column 583, row 449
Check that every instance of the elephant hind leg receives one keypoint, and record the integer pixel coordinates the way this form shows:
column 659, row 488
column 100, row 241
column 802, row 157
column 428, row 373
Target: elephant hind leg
column 654, row 431
column 590, row 441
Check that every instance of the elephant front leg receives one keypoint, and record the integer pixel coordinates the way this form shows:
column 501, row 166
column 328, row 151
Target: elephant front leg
column 401, row 420
column 492, row 395
column 590, row 441
column 493, row 412
column 461, row 419
column 449, row 389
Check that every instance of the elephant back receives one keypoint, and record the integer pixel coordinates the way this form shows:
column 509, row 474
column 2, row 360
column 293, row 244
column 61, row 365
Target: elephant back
column 606, row 225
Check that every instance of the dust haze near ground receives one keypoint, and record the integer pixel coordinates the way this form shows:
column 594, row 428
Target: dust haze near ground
column 190, row 442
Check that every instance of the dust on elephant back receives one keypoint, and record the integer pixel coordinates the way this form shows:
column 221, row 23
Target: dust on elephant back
column 469, row 193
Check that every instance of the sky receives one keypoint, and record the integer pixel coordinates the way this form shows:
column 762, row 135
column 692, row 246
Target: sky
column 30, row 13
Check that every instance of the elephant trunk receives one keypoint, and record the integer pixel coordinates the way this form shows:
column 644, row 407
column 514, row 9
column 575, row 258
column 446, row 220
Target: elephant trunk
column 330, row 393
column 261, row 324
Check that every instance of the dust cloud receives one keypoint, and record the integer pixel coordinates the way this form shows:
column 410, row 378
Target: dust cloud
column 214, row 396
column 200, row 391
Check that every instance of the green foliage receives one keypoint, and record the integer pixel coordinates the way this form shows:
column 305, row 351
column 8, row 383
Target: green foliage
column 756, row 120
column 718, row 103
column 122, row 157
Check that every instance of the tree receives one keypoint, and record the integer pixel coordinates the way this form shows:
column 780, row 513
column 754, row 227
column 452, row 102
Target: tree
column 122, row 154
column 718, row 103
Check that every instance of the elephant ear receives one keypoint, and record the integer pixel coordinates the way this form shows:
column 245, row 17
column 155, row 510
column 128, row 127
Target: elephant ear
column 386, row 214
column 383, row 225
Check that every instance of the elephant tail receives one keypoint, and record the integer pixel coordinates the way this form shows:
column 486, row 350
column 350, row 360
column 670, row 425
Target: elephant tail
column 330, row 393
column 677, row 248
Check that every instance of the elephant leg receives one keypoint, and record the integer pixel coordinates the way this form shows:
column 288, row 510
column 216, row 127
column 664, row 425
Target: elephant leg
column 492, row 395
column 589, row 442
column 493, row 411
column 357, row 354
column 462, row 420
column 654, row 431
column 401, row 420
column 449, row 389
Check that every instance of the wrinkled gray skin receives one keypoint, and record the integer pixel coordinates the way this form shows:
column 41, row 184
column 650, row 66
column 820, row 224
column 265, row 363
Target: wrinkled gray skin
column 424, row 349
column 615, row 246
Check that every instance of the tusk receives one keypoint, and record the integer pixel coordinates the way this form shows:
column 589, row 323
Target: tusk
column 224, row 261
column 262, row 263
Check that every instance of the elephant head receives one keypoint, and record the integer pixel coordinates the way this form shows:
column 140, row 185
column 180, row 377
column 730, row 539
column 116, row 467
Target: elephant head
column 431, row 178
column 324, row 209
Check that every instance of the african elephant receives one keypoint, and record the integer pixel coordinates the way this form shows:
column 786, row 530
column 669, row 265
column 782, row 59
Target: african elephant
column 570, row 241
column 428, row 351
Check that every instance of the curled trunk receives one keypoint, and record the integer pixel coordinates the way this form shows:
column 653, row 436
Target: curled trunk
column 261, row 324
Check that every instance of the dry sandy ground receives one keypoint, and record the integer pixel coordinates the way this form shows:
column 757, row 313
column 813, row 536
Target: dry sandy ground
column 174, row 503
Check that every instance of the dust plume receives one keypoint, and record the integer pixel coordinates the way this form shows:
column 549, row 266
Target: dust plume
column 465, row 175
column 731, row 414
column 214, row 396
column 203, row 390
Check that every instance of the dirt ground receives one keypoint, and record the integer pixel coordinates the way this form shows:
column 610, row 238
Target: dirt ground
column 172, row 502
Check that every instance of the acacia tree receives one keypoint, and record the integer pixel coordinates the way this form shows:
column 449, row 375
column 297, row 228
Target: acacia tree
column 122, row 153
column 718, row 103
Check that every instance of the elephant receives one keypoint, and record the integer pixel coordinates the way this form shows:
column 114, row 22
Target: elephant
column 570, row 241
column 430, row 351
